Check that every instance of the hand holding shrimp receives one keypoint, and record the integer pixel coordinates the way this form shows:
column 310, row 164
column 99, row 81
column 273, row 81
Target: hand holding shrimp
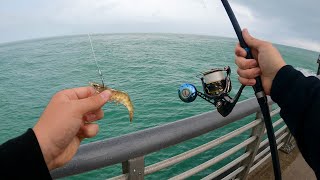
column 66, row 121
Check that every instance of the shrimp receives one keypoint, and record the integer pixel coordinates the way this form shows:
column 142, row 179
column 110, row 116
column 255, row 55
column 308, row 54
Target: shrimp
column 117, row 97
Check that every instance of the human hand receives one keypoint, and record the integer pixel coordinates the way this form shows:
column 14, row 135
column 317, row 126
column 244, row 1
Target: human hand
column 66, row 121
column 266, row 63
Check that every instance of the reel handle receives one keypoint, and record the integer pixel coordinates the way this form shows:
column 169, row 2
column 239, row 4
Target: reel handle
column 187, row 92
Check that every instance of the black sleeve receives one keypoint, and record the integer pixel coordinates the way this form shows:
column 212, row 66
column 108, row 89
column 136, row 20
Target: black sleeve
column 21, row 158
column 299, row 99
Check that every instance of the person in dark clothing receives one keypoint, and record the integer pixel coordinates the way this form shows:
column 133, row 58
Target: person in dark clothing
column 297, row 96
column 56, row 137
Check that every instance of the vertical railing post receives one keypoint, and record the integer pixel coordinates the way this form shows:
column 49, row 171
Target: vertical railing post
column 134, row 168
column 288, row 144
column 257, row 131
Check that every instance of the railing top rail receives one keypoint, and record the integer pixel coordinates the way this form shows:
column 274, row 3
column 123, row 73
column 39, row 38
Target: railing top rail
column 119, row 149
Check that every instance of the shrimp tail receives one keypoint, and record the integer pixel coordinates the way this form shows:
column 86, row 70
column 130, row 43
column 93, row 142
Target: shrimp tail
column 123, row 98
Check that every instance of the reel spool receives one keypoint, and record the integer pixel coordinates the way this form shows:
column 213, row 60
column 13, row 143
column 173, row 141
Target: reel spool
column 215, row 84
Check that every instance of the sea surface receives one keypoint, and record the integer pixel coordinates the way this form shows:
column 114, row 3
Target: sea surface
column 149, row 67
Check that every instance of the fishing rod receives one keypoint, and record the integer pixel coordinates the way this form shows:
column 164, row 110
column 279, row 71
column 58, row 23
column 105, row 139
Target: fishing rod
column 216, row 85
column 259, row 92
column 318, row 61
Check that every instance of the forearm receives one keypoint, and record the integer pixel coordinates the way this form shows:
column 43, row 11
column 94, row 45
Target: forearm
column 299, row 99
column 21, row 158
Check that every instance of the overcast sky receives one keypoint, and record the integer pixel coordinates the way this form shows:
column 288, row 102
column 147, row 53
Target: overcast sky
column 290, row 22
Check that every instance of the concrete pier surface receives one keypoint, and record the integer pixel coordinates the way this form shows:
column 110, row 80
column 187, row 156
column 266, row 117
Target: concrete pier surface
column 293, row 167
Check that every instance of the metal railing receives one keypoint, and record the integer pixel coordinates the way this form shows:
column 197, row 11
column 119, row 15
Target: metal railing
column 131, row 149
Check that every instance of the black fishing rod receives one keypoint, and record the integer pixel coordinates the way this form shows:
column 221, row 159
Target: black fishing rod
column 318, row 61
column 259, row 92
column 216, row 86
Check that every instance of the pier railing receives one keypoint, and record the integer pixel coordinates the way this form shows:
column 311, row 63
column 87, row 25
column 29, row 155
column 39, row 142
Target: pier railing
column 130, row 149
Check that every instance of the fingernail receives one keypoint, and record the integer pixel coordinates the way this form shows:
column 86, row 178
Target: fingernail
column 254, row 63
column 252, row 81
column 246, row 31
column 105, row 95
column 91, row 117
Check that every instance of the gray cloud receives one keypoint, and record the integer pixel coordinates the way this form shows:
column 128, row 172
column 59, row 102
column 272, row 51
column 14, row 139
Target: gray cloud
column 292, row 22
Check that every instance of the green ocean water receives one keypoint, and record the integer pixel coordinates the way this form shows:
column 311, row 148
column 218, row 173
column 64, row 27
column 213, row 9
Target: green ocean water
column 150, row 67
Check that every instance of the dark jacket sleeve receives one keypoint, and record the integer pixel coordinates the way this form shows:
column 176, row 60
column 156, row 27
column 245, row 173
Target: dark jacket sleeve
column 299, row 99
column 21, row 158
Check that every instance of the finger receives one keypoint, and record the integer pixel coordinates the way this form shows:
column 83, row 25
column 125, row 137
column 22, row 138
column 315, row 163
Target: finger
column 84, row 92
column 89, row 130
column 79, row 93
column 247, row 82
column 244, row 63
column 239, row 51
column 92, row 103
column 93, row 116
column 251, row 41
column 249, row 73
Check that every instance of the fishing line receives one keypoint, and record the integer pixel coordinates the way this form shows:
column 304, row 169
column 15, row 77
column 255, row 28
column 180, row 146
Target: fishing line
column 95, row 60
column 204, row 4
column 222, row 52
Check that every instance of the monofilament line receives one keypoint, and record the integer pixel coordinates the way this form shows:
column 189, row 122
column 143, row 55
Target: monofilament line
column 95, row 60
column 222, row 52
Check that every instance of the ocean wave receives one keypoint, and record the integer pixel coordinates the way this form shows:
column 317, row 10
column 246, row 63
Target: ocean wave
column 306, row 72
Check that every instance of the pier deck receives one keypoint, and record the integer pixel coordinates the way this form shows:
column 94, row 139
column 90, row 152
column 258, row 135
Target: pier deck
column 293, row 166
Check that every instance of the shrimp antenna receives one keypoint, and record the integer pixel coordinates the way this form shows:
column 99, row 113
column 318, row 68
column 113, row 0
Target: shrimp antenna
column 95, row 60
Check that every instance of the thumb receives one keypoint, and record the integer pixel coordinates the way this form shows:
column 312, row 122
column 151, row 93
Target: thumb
column 93, row 103
column 251, row 41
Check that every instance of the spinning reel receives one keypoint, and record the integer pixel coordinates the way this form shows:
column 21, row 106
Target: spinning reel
column 216, row 88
